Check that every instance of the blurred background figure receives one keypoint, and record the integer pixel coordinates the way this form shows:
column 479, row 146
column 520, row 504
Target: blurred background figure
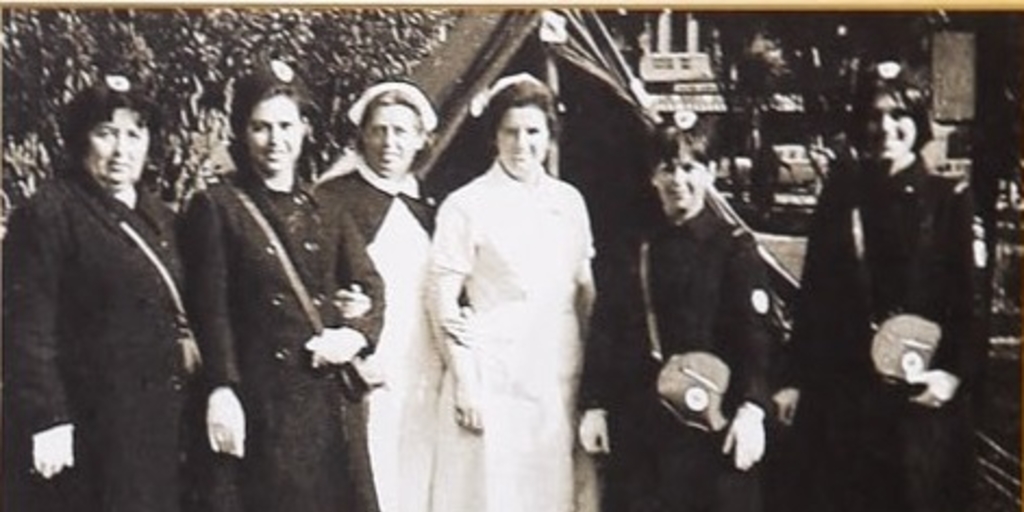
column 96, row 345
column 517, row 244
column 278, row 314
column 380, row 192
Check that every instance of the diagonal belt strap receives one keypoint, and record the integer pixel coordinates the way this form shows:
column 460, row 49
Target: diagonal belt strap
column 286, row 263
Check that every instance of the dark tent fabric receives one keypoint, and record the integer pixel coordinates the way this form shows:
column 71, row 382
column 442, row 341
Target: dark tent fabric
column 604, row 145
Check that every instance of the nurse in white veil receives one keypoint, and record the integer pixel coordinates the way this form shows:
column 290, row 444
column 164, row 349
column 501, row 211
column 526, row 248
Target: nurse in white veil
column 377, row 187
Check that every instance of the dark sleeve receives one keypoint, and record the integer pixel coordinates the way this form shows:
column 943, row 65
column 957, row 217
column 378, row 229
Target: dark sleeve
column 747, row 307
column 616, row 360
column 353, row 266
column 207, row 274
column 35, row 251
column 966, row 350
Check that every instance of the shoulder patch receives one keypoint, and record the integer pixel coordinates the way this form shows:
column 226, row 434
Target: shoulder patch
column 759, row 300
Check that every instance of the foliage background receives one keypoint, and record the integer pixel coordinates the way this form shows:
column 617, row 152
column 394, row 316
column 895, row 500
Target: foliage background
column 188, row 58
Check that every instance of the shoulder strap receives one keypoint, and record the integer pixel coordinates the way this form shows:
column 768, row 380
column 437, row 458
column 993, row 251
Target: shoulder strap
column 645, row 285
column 172, row 288
column 286, row 263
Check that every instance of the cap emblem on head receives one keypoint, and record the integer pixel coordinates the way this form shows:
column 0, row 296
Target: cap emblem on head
column 282, row 71
column 117, row 83
column 685, row 119
column 888, row 70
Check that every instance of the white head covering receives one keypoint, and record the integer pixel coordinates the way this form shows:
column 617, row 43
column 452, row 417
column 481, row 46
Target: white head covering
column 407, row 91
column 479, row 103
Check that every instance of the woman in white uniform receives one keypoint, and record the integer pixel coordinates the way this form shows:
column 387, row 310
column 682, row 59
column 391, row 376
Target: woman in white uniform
column 377, row 188
column 511, row 289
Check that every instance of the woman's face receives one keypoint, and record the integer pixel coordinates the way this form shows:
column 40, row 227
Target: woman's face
column 891, row 131
column 116, row 150
column 391, row 138
column 682, row 186
column 523, row 139
column 274, row 136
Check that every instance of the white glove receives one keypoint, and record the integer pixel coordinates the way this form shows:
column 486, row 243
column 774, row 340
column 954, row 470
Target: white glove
column 593, row 431
column 786, row 401
column 352, row 303
column 746, row 435
column 225, row 422
column 335, row 346
column 53, row 450
column 941, row 387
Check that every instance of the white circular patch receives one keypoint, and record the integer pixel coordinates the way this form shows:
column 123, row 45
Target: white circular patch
column 912, row 363
column 282, row 71
column 759, row 299
column 696, row 399
column 117, row 83
column 888, row 70
column 685, row 119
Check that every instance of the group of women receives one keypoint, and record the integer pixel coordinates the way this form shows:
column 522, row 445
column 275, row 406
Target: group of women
column 355, row 352
column 351, row 353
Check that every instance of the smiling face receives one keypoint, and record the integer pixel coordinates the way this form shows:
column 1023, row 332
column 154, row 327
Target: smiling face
column 391, row 137
column 523, row 137
column 274, row 136
column 891, row 132
column 682, row 186
column 116, row 151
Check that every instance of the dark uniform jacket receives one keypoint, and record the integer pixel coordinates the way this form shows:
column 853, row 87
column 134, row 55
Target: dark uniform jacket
column 918, row 259
column 866, row 445
column 703, row 278
column 90, row 339
column 252, row 331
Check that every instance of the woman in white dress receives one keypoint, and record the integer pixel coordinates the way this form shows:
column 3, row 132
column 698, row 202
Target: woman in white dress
column 377, row 188
column 511, row 289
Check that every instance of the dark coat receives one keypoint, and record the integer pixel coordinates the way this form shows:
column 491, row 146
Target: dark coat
column 252, row 330
column 703, row 276
column 917, row 236
column 90, row 339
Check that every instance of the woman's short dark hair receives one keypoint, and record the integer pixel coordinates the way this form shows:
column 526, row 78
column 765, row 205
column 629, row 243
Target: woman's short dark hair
column 261, row 84
column 527, row 93
column 96, row 104
column 669, row 139
column 895, row 83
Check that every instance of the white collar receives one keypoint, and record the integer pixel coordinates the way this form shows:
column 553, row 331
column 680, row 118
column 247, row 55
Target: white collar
column 407, row 185
column 129, row 197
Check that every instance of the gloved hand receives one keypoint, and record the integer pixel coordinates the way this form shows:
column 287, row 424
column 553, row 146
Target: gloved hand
column 352, row 303
column 335, row 346
column 746, row 436
column 593, row 431
column 53, row 450
column 225, row 422
column 786, row 401
column 941, row 387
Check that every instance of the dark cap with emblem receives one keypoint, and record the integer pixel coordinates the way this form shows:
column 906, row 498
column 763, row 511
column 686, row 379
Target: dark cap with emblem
column 96, row 104
column 274, row 78
column 692, row 386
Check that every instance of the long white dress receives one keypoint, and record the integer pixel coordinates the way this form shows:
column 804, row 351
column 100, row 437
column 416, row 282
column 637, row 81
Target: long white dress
column 520, row 248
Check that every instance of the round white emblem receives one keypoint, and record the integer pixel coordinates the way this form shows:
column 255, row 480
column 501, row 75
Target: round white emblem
column 282, row 71
column 888, row 70
column 912, row 363
column 685, row 119
column 117, row 83
column 696, row 399
column 759, row 299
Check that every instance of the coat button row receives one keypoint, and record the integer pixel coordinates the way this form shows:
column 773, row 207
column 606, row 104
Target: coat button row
column 277, row 300
column 282, row 354
column 311, row 246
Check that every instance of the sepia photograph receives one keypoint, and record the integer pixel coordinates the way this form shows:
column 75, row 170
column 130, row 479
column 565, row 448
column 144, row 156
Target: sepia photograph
column 482, row 259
